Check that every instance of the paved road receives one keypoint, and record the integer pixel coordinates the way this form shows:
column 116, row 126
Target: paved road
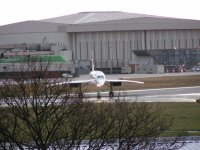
column 180, row 94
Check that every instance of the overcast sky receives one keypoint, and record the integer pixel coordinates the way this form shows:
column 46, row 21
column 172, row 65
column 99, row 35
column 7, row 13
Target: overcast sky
column 12, row 11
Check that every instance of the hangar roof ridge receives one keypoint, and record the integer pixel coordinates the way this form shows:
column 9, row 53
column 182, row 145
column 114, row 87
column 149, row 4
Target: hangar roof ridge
column 96, row 16
column 100, row 21
column 99, row 11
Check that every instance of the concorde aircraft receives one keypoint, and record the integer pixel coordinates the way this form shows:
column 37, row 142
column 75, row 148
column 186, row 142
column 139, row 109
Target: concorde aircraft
column 99, row 79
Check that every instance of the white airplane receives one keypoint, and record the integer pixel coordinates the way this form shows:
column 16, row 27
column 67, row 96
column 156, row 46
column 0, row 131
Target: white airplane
column 98, row 78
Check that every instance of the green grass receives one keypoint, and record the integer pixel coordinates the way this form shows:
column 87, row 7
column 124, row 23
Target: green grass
column 186, row 116
column 153, row 83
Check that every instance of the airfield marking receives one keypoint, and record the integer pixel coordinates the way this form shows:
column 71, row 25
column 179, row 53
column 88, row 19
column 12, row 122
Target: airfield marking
column 150, row 89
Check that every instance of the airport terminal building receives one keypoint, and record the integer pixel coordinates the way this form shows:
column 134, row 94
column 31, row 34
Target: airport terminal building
column 118, row 41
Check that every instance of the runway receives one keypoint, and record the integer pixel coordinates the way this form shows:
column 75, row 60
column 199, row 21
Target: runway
column 131, row 76
column 179, row 94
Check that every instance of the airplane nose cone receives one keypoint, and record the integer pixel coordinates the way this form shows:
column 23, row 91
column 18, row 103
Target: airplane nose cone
column 100, row 83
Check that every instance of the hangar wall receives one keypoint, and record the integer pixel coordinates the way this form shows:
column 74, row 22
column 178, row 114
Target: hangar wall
column 106, row 45
column 118, row 45
column 33, row 32
column 112, row 37
column 170, row 39
column 111, row 48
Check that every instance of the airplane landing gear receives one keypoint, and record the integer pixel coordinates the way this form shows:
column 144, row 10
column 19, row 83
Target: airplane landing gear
column 98, row 94
column 111, row 94
column 80, row 95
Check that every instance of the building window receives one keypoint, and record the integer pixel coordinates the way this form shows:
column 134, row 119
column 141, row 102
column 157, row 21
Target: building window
column 185, row 43
column 164, row 44
column 157, row 44
column 150, row 44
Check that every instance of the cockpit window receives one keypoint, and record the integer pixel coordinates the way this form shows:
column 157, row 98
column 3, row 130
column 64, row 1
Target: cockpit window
column 100, row 77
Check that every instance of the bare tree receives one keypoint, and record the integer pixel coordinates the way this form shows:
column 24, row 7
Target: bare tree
column 36, row 108
column 124, row 125
column 39, row 113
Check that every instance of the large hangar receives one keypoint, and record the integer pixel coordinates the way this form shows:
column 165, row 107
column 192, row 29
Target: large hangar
column 116, row 40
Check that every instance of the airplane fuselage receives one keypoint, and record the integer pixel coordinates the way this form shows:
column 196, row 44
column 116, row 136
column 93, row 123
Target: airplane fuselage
column 98, row 76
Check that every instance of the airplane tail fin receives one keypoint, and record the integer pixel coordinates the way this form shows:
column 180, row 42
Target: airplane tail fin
column 92, row 62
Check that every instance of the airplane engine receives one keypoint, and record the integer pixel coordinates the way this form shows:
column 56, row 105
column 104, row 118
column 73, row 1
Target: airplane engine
column 116, row 83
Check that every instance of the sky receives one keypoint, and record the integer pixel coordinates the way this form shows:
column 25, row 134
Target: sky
column 12, row 11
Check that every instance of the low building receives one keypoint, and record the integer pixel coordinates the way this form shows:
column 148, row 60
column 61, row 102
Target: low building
column 150, row 69
column 15, row 65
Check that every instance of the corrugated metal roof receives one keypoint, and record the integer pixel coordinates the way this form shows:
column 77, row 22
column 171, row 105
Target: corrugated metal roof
column 101, row 21
column 88, row 17
column 117, row 20
column 29, row 26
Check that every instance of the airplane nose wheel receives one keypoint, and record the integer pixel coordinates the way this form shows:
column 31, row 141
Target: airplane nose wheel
column 111, row 94
column 80, row 95
column 98, row 94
